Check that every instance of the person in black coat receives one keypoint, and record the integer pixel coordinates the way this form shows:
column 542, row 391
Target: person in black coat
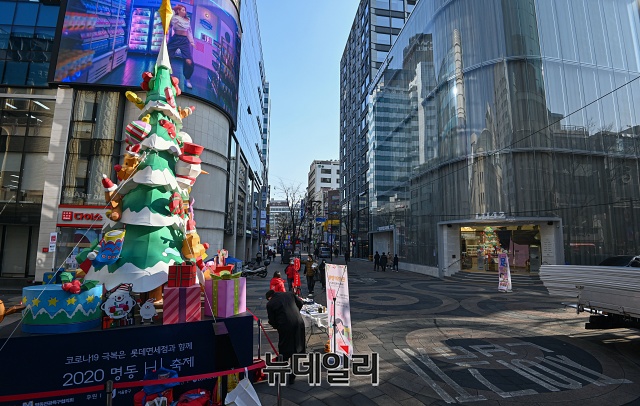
column 383, row 262
column 283, row 310
column 323, row 277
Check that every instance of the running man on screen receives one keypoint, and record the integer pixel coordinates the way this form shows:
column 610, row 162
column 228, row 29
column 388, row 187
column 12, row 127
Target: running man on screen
column 182, row 39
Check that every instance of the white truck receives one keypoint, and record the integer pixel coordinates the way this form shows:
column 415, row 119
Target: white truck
column 610, row 293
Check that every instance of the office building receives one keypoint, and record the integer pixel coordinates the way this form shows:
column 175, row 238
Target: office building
column 507, row 125
column 375, row 28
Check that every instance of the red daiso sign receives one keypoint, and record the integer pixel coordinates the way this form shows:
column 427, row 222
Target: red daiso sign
column 81, row 216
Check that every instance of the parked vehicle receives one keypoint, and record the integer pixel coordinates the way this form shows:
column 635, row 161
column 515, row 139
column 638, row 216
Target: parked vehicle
column 632, row 261
column 325, row 252
column 253, row 269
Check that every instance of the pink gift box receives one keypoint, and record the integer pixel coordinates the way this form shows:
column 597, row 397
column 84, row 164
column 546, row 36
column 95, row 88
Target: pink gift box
column 181, row 305
column 225, row 296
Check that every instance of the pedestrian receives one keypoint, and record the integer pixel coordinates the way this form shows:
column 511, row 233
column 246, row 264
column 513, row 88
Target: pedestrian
column 383, row 262
column 297, row 283
column 395, row 263
column 259, row 258
column 322, row 269
column 310, row 273
column 277, row 283
column 290, row 271
column 376, row 261
column 316, row 252
column 346, row 255
column 283, row 310
column 336, row 252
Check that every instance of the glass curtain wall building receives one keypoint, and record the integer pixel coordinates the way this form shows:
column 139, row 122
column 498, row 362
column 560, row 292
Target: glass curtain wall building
column 375, row 27
column 507, row 124
column 247, row 164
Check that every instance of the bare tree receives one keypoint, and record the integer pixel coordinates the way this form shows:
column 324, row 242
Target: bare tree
column 294, row 194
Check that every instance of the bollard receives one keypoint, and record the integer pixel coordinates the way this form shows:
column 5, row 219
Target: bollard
column 108, row 387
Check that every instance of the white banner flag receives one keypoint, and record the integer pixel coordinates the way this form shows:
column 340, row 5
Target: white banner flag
column 504, row 273
column 338, row 289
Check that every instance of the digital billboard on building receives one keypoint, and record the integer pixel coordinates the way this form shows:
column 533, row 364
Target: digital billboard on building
column 113, row 42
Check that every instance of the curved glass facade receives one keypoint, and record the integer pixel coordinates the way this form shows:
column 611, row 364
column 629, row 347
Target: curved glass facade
column 529, row 108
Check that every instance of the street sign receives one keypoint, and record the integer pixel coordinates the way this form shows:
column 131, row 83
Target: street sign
column 321, row 219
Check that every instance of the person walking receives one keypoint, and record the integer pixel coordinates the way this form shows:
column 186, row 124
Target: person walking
column 346, row 255
column 383, row 262
column 376, row 261
column 316, row 252
column 290, row 271
column 323, row 278
column 310, row 273
column 283, row 310
column 259, row 258
column 277, row 283
column 395, row 263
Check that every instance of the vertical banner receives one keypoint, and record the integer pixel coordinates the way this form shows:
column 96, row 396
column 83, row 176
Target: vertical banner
column 338, row 289
column 504, row 273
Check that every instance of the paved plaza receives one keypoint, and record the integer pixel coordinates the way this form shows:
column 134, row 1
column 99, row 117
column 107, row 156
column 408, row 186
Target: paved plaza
column 459, row 341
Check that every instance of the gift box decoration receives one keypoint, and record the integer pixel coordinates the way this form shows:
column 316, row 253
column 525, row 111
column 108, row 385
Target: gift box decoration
column 225, row 296
column 181, row 305
column 183, row 275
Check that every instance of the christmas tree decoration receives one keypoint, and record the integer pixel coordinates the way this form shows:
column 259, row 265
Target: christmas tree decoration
column 151, row 200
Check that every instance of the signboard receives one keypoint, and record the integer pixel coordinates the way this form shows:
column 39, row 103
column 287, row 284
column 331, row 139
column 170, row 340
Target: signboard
column 338, row 289
column 81, row 216
column 53, row 238
column 504, row 273
column 53, row 362
column 112, row 42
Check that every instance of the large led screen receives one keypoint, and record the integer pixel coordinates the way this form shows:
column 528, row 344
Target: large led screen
column 112, row 42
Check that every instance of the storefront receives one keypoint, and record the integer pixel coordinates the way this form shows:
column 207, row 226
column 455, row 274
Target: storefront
column 474, row 244
column 78, row 226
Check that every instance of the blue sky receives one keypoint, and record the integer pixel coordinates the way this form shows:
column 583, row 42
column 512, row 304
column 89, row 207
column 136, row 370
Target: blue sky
column 302, row 44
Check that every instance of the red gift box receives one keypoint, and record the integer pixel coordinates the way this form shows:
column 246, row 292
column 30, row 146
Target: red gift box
column 181, row 305
column 183, row 275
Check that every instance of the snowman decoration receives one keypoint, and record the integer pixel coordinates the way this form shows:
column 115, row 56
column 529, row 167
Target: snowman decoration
column 148, row 311
column 119, row 302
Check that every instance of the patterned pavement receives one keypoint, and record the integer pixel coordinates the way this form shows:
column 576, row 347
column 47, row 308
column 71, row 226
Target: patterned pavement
column 460, row 341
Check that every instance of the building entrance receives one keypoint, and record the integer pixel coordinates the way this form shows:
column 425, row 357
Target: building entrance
column 480, row 245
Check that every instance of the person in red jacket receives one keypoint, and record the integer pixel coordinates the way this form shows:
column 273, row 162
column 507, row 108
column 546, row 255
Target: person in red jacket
column 277, row 283
column 290, row 271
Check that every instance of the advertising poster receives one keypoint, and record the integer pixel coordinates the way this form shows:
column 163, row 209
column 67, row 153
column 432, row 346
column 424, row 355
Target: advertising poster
column 112, row 42
column 504, row 273
column 338, row 288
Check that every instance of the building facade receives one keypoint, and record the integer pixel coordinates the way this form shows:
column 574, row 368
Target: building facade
column 375, row 28
column 323, row 176
column 507, row 125
column 61, row 133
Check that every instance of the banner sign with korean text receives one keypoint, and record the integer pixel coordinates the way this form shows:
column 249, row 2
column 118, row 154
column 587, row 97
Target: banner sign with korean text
column 504, row 273
column 338, row 288
column 58, row 362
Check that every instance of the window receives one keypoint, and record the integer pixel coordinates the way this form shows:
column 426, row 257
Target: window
column 382, row 21
column 326, row 171
column 325, row 180
column 94, row 146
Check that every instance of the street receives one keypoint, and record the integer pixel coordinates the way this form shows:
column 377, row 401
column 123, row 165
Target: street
column 459, row 340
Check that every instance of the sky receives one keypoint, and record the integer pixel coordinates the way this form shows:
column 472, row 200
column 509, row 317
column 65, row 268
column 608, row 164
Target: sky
column 302, row 44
